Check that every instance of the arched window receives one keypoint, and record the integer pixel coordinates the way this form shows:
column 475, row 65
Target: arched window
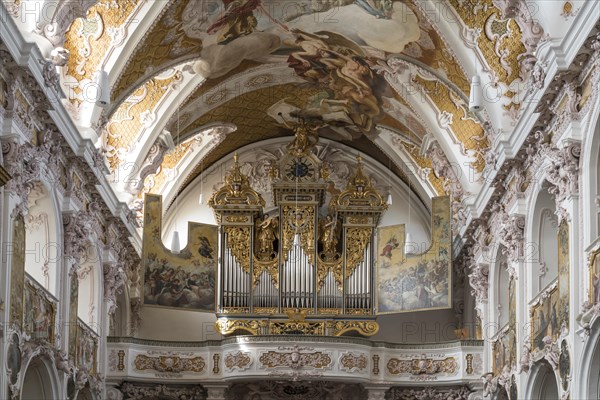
column 542, row 383
column 88, row 302
column 42, row 247
column 542, row 252
column 39, row 382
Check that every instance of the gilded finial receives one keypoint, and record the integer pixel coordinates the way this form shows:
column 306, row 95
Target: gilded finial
column 235, row 157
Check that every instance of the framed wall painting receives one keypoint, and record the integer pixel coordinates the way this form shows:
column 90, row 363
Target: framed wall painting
column 185, row 280
column 419, row 282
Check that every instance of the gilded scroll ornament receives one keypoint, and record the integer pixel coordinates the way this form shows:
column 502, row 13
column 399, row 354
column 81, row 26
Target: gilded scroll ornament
column 271, row 267
column 357, row 240
column 299, row 220
column 359, row 192
column 297, row 327
column 238, row 240
column 226, row 326
column 236, row 219
column 173, row 364
column 237, row 190
column 365, row 328
column 335, row 267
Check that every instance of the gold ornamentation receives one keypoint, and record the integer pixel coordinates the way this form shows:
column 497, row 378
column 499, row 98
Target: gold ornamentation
column 323, row 269
column 359, row 192
column 274, row 359
column 359, row 311
column 121, row 362
column 469, row 364
column 127, row 122
column 501, row 44
column 168, row 40
column 238, row 240
column 226, row 326
column 365, row 328
column 375, row 364
column 237, row 190
column 239, row 360
column 265, row 310
column 235, row 310
column 421, row 366
column 88, row 39
column 172, row 364
column 305, row 138
column 425, row 164
column 299, row 220
column 328, row 237
column 239, row 219
column 357, row 240
column 266, row 234
column 297, row 327
column 270, row 266
column 360, row 220
column 297, row 314
column 216, row 360
column 353, row 362
column 329, row 311
column 465, row 129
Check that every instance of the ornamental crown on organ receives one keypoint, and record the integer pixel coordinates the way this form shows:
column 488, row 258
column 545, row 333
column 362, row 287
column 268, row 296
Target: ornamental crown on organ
column 297, row 269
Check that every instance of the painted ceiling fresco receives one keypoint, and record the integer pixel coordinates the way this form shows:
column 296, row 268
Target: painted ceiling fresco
column 350, row 67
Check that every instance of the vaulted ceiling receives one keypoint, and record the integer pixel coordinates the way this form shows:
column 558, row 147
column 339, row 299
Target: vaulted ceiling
column 390, row 77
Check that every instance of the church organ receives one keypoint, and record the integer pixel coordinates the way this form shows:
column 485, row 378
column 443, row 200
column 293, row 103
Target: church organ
column 300, row 268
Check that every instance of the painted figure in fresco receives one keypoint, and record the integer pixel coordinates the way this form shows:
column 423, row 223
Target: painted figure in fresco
column 333, row 61
column 421, row 294
column 237, row 20
column 378, row 8
column 553, row 320
column 205, row 248
column 266, row 235
column 391, row 245
column 328, row 235
column 596, row 287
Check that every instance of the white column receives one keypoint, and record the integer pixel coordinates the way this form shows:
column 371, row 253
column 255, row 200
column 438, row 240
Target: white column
column 578, row 273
